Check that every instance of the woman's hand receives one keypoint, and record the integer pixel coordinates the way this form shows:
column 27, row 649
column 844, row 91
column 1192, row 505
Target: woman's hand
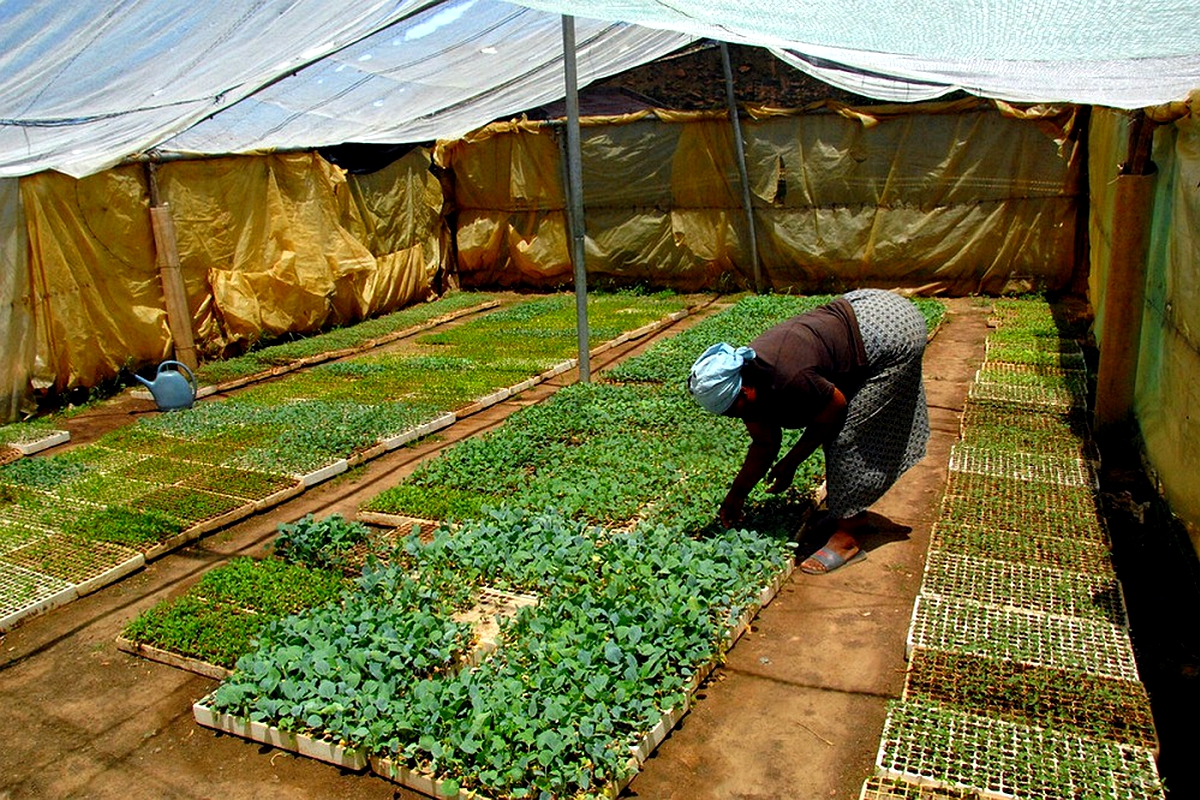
column 781, row 476
column 730, row 513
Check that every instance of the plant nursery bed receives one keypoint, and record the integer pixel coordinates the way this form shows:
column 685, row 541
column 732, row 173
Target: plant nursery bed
column 151, row 653
column 429, row 784
column 324, row 473
column 336, row 753
column 1029, row 587
column 1061, row 700
column 931, row 745
column 1034, row 467
column 958, row 626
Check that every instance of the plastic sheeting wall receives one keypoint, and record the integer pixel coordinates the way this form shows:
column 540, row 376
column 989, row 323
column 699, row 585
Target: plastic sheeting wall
column 15, row 317
column 267, row 245
column 953, row 198
column 1167, row 390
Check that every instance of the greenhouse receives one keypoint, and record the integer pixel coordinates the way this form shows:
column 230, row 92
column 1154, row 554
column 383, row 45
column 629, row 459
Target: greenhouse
column 356, row 439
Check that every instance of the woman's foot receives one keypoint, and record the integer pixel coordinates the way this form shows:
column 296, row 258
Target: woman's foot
column 841, row 549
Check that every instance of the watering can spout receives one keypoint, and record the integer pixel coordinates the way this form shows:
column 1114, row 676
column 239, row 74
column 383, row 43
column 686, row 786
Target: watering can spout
column 174, row 386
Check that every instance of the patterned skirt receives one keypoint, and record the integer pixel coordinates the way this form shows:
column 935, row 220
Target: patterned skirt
column 887, row 420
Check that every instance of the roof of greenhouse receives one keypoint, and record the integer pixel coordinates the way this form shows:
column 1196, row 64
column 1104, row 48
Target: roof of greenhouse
column 86, row 86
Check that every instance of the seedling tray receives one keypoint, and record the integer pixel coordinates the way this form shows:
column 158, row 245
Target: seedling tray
column 940, row 747
column 1074, row 380
column 335, row 753
column 877, row 788
column 484, row 618
column 1041, row 351
column 1027, row 505
column 1032, row 396
column 87, row 565
column 25, row 593
column 1065, row 701
column 1036, row 547
column 16, row 534
column 1023, row 466
column 1011, row 584
column 958, row 626
column 42, row 440
column 151, row 653
column 1003, row 426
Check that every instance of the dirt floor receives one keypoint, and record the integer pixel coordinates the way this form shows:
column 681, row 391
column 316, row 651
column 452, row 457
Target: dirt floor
column 796, row 712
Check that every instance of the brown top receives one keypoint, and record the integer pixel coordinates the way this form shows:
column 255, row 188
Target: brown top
column 799, row 361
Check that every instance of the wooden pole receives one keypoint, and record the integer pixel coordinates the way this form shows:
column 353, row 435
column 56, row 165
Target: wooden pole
column 166, row 248
column 1125, row 290
column 743, row 173
column 575, row 197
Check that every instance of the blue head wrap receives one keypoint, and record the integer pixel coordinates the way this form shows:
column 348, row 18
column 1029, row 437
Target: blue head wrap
column 716, row 377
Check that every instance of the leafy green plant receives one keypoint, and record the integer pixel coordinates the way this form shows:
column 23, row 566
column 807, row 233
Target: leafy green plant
column 324, row 542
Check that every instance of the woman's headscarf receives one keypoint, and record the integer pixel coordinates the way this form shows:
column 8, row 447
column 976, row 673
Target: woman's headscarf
column 716, row 377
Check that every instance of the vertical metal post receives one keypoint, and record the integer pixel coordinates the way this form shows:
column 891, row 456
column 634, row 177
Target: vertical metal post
column 575, row 197
column 743, row 173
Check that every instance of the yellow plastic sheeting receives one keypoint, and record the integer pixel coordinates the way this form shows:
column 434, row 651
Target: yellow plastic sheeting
column 94, row 287
column 1168, row 386
column 282, row 243
column 953, row 197
column 16, row 312
column 267, row 245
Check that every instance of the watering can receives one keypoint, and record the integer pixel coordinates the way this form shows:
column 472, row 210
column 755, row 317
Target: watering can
column 172, row 388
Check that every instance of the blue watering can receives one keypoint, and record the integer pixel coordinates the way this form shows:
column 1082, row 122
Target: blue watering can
column 172, row 388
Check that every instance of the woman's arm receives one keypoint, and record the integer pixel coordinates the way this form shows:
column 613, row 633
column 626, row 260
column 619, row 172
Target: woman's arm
column 823, row 429
column 765, row 441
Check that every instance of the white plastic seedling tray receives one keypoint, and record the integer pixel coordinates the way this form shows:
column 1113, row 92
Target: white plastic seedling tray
column 1025, row 587
column 25, row 593
column 933, row 746
column 300, row 743
column 959, row 626
column 1033, row 467
column 50, row 439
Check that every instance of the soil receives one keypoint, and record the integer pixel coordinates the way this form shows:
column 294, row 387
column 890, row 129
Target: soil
column 795, row 712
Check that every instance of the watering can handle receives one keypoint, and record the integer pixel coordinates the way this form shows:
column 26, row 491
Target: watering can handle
column 181, row 367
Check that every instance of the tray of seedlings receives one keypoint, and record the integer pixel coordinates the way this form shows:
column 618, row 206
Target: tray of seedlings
column 1024, row 585
column 1003, row 426
column 1086, row 645
column 930, row 744
column 208, row 627
column 1068, row 701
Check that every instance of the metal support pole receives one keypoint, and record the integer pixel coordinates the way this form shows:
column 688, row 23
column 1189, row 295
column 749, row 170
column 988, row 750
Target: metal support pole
column 575, row 197
column 743, row 173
